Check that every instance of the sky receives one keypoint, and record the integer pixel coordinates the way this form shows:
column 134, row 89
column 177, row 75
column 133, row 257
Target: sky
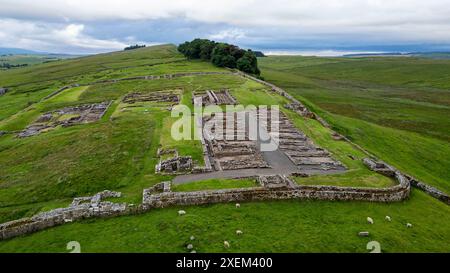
column 274, row 26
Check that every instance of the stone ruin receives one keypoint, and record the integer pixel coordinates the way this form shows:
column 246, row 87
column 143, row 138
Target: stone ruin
column 65, row 117
column 234, row 149
column 170, row 96
column 272, row 187
column 387, row 170
column 213, row 97
column 275, row 182
column 81, row 208
column 232, row 154
column 298, row 147
column 300, row 109
column 3, row 91
column 379, row 167
column 174, row 163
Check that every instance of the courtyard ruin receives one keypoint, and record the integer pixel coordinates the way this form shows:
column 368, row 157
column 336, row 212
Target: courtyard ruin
column 168, row 96
column 214, row 97
column 65, row 117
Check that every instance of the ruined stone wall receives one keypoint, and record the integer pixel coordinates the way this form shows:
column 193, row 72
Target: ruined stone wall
column 296, row 105
column 166, row 199
column 278, row 190
column 429, row 190
column 81, row 208
column 385, row 169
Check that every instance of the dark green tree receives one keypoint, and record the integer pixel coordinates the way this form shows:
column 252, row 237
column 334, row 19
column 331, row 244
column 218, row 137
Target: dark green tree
column 221, row 54
column 248, row 63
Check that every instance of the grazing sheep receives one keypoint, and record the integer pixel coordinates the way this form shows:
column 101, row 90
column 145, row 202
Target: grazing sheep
column 408, row 225
column 238, row 205
column 239, row 232
column 181, row 212
column 370, row 220
column 226, row 244
column 192, row 238
column 193, row 251
column 388, row 218
column 189, row 246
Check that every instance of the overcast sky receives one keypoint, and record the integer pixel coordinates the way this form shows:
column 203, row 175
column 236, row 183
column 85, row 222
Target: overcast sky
column 90, row 26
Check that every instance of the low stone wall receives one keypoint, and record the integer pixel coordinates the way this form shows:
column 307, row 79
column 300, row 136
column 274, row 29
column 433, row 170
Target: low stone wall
column 296, row 105
column 278, row 190
column 385, row 169
column 81, row 208
column 274, row 187
column 429, row 190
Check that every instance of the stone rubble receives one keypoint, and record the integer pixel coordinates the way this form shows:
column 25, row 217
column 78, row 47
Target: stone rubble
column 81, row 114
column 235, row 152
column 298, row 147
column 176, row 164
column 214, row 97
column 81, row 208
column 171, row 96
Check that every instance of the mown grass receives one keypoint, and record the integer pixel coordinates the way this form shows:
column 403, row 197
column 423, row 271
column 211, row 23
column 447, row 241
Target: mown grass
column 215, row 184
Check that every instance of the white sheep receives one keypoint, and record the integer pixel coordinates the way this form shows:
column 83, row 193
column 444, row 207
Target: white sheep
column 226, row 244
column 181, row 212
column 193, row 251
column 189, row 246
column 238, row 205
column 388, row 218
column 408, row 225
column 192, row 238
column 239, row 232
column 370, row 220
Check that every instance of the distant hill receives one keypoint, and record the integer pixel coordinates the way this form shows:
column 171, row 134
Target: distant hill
column 384, row 54
column 20, row 51
column 16, row 51
column 432, row 55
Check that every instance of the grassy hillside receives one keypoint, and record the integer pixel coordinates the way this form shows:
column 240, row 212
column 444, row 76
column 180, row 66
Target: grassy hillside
column 395, row 107
column 26, row 59
column 118, row 152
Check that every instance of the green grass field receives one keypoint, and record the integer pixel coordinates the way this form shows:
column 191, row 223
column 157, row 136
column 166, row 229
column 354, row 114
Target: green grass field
column 397, row 108
column 118, row 152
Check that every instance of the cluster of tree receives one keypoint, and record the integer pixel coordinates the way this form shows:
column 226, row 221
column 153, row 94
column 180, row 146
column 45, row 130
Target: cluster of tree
column 136, row 46
column 221, row 54
column 8, row 66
